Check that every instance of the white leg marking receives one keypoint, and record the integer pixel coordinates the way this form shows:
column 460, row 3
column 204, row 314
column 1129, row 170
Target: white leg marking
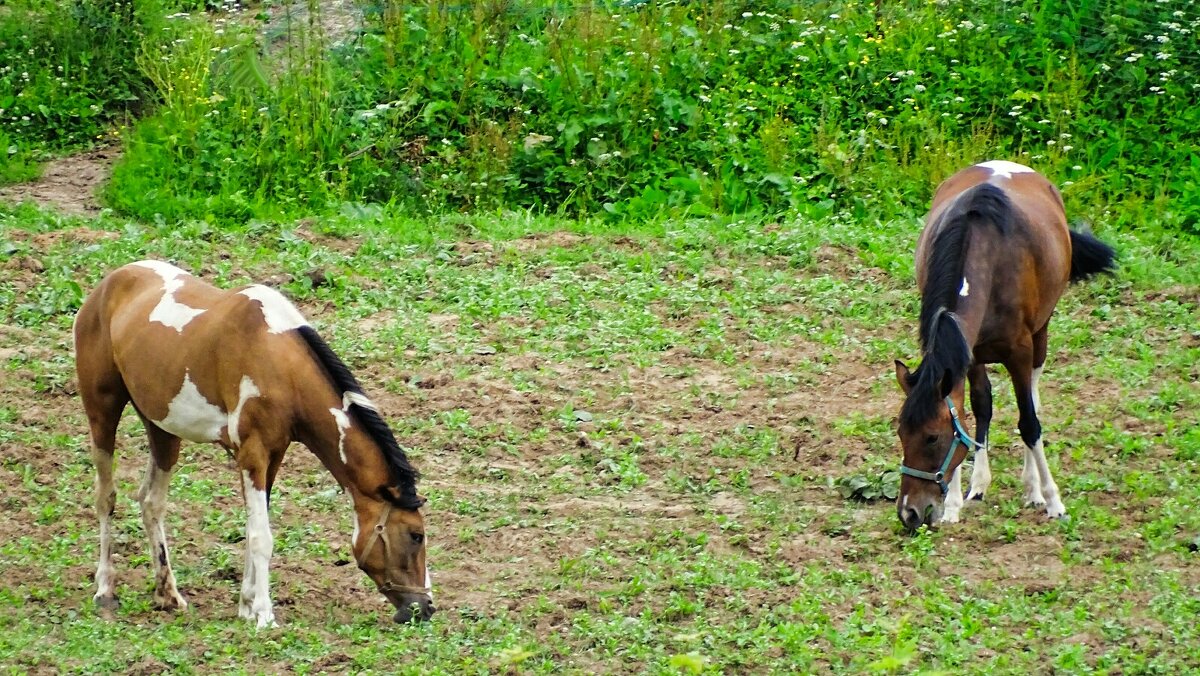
column 259, row 545
column 106, row 497
column 343, row 423
column 1033, row 482
column 952, row 505
column 153, row 498
column 1033, row 387
column 981, row 473
column 278, row 312
column 246, row 390
column 1004, row 168
column 190, row 416
column 169, row 311
column 965, row 290
column 1054, row 505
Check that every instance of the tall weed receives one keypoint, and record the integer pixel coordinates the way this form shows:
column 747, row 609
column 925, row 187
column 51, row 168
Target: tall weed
column 721, row 106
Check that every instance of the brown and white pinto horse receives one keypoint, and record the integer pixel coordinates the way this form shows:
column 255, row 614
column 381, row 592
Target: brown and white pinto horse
column 992, row 262
column 244, row 370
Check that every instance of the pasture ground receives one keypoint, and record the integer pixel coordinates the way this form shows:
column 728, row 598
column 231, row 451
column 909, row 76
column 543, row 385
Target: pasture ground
column 630, row 437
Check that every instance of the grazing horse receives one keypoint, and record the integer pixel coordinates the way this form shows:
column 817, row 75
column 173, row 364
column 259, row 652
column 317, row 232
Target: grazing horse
column 992, row 261
column 244, row 370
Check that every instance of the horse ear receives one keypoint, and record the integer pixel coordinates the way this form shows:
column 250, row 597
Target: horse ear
column 421, row 500
column 902, row 375
column 947, row 383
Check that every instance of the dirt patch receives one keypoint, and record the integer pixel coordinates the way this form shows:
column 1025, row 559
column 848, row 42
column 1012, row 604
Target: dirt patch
column 68, row 184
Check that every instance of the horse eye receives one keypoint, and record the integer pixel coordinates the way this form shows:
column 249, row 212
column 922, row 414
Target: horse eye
column 931, row 439
column 418, row 538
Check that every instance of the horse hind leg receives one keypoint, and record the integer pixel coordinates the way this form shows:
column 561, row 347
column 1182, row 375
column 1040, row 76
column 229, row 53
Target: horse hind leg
column 164, row 453
column 1040, row 488
column 104, row 398
column 103, row 449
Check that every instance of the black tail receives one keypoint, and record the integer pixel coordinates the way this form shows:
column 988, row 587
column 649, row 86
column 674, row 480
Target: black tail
column 1090, row 256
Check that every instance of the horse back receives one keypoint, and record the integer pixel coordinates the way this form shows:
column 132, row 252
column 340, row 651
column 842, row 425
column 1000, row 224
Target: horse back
column 174, row 339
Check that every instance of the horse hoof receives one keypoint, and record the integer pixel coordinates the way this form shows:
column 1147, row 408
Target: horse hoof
column 170, row 603
column 975, row 496
column 107, row 603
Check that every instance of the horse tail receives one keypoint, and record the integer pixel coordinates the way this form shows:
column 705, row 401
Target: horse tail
column 1090, row 256
column 368, row 415
column 983, row 203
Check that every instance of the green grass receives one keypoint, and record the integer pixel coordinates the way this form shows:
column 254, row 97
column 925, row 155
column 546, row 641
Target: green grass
column 606, row 416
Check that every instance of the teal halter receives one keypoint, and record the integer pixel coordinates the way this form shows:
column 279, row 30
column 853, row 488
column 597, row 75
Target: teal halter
column 960, row 437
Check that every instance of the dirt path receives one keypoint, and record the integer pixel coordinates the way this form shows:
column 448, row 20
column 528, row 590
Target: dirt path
column 68, row 184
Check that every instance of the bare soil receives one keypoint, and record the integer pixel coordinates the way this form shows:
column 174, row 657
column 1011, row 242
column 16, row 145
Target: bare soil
column 68, row 184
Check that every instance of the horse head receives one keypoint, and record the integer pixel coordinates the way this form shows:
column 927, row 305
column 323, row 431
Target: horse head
column 392, row 554
column 934, row 445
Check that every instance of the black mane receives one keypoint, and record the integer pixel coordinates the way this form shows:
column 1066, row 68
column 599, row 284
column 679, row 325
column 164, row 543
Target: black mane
column 945, row 353
column 404, row 475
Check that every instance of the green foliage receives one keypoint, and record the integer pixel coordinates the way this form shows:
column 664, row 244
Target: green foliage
column 883, row 485
column 634, row 110
column 69, row 74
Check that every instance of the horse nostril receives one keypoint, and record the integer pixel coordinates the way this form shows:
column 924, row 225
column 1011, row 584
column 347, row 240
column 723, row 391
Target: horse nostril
column 911, row 518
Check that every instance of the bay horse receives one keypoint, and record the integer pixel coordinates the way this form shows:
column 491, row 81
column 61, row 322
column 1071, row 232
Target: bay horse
column 242, row 369
column 992, row 261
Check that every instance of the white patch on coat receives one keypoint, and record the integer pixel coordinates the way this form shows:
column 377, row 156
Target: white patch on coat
column 1004, row 168
column 966, row 288
column 357, row 399
column 278, row 312
column 246, row 390
column 190, row 416
column 170, row 312
column 343, row 423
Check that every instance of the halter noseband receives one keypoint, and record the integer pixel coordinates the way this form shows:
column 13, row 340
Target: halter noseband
column 960, row 436
column 378, row 533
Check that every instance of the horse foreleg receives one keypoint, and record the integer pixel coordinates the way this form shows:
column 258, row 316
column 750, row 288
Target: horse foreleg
column 952, row 505
column 981, row 407
column 153, row 498
column 256, row 593
column 1040, row 488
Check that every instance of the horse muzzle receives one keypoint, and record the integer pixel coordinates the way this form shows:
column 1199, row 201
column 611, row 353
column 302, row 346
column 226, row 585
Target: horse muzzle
column 411, row 607
column 917, row 513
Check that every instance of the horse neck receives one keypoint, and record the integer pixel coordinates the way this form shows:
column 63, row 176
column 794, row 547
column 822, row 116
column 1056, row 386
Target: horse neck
column 341, row 443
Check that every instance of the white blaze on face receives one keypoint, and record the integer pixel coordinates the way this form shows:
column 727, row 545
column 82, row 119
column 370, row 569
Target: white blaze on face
column 169, row 311
column 428, row 584
column 1004, row 168
column 966, row 288
column 343, row 423
column 190, row 416
column 246, row 390
column 278, row 312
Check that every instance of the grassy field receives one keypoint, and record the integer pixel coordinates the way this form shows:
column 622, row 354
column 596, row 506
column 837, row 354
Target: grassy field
column 654, row 433
column 633, row 440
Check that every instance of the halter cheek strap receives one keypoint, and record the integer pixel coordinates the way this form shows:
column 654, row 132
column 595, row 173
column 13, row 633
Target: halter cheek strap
column 379, row 532
column 960, row 436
